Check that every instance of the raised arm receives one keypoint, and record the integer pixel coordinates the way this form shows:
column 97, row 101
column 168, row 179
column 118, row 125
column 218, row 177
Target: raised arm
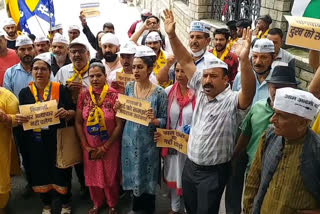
column 163, row 75
column 180, row 52
column 248, row 81
column 314, row 86
column 314, row 59
column 135, row 37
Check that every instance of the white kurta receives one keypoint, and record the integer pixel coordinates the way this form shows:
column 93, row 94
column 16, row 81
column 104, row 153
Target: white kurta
column 173, row 164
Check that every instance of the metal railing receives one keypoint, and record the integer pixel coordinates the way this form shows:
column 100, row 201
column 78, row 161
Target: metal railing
column 226, row 10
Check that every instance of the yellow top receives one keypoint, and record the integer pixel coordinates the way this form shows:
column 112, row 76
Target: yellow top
column 286, row 193
column 8, row 158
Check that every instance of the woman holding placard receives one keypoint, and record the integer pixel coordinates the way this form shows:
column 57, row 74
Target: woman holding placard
column 140, row 157
column 100, row 139
column 181, row 103
column 42, row 142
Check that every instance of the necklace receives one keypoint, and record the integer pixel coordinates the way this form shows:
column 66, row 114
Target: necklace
column 136, row 89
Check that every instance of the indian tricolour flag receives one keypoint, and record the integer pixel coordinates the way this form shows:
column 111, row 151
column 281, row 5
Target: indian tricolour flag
column 306, row 8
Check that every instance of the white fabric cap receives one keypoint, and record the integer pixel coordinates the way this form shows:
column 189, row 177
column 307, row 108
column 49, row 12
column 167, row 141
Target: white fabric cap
column 44, row 57
column 79, row 41
column 110, row 38
column 199, row 26
column 74, row 27
column 212, row 61
column 56, row 27
column 146, row 12
column 2, row 33
column 263, row 46
column 58, row 38
column 23, row 40
column 8, row 21
column 128, row 48
column 41, row 39
column 153, row 37
column 144, row 51
column 297, row 102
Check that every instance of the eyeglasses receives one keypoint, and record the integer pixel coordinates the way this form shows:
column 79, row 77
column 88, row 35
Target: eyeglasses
column 79, row 51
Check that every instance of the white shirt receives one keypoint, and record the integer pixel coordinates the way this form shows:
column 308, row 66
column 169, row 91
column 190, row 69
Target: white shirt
column 66, row 72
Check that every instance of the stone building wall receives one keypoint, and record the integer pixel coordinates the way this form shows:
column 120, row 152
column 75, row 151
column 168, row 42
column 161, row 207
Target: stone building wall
column 202, row 9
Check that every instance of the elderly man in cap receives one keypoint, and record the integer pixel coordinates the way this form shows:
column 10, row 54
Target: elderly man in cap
column 284, row 176
column 217, row 114
column 261, row 59
column 10, row 28
column 41, row 44
column 60, row 52
column 76, row 77
column 110, row 47
column 199, row 39
column 73, row 32
column 8, row 57
column 262, row 26
column 252, row 128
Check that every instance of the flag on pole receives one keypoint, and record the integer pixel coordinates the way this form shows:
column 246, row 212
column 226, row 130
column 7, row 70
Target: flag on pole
column 306, row 8
column 34, row 16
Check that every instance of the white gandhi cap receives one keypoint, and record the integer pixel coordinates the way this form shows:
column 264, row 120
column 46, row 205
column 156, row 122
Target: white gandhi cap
column 41, row 39
column 110, row 38
column 58, row 38
column 210, row 61
column 74, row 27
column 8, row 21
column 128, row 48
column 44, row 57
column 297, row 102
column 79, row 41
column 263, row 46
column 144, row 51
column 199, row 26
column 23, row 40
column 153, row 37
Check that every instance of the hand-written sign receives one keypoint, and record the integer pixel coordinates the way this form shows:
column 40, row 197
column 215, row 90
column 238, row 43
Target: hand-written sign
column 40, row 115
column 122, row 79
column 174, row 139
column 133, row 109
column 303, row 32
column 90, row 8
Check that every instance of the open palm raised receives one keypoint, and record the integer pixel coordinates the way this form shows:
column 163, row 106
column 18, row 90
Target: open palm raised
column 169, row 23
column 246, row 44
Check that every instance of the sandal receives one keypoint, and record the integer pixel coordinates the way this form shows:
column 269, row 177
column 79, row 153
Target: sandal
column 94, row 210
column 66, row 210
column 112, row 211
column 46, row 210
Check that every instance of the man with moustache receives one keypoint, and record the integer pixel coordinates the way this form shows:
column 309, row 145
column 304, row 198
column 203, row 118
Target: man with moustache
column 16, row 78
column 262, row 26
column 10, row 28
column 262, row 59
column 41, row 44
column 8, row 57
column 110, row 47
column 199, row 39
column 60, row 52
column 217, row 114
column 223, row 52
column 73, row 32
column 75, row 76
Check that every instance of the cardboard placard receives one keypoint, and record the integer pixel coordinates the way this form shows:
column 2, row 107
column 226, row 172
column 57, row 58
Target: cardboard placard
column 303, row 32
column 134, row 109
column 123, row 78
column 170, row 138
column 90, row 8
column 40, row 115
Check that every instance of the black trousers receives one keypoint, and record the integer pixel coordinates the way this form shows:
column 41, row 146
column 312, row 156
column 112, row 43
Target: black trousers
column 203, row 186
column 47, row 197
column 145, row 203
column 79, row 168
column 234, row 189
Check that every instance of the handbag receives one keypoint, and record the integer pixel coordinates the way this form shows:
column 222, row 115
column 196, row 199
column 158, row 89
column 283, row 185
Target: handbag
column 69, row 151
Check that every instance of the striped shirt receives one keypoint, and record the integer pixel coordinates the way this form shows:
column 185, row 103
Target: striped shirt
column 284, row 58
column 214, row 125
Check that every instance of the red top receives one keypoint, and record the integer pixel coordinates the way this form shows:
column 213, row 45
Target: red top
column 6, row 62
